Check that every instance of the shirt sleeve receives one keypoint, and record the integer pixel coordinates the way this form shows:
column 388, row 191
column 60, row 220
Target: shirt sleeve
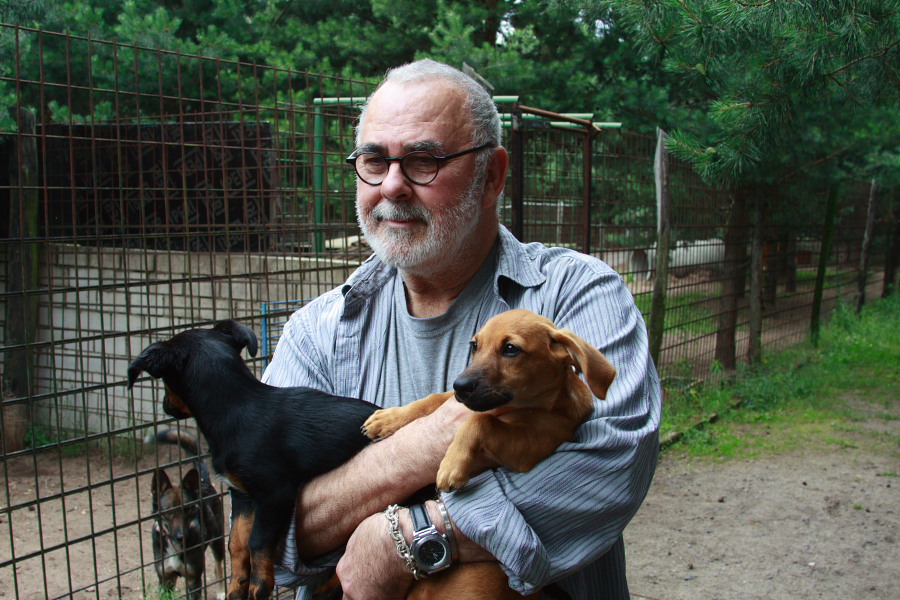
column 301, row 356
column 572, row 507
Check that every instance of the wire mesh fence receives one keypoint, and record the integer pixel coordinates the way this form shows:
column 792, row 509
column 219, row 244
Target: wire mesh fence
column 143, row 192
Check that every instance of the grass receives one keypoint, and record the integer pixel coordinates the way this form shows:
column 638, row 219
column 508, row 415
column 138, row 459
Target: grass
column 807, row 397
column 688, row 312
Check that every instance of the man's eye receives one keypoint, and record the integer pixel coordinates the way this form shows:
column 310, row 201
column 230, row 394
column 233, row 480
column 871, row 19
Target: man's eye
column 373, row 163
column 510, row 350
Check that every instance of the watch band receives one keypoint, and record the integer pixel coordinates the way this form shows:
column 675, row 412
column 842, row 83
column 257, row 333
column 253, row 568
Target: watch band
column 420, row 519
column 430, row 548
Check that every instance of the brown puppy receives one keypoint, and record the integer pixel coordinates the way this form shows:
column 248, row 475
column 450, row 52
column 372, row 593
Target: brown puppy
column 523, row 384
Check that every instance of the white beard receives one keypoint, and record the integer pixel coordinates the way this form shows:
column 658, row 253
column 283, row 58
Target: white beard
column 445, row 233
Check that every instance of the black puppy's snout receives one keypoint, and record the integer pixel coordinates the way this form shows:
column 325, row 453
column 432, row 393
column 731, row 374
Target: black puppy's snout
column 464, row 386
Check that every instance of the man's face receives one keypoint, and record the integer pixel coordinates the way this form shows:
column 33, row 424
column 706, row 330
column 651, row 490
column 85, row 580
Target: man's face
column 418, row 228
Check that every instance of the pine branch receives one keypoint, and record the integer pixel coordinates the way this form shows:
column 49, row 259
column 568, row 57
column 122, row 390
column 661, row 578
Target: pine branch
column 854, row 62
column 812, row 164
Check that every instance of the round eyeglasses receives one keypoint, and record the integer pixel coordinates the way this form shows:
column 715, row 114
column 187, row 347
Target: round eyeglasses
column 419, row 166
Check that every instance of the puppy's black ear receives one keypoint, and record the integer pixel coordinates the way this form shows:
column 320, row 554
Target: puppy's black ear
column 159, row 359
column 241, row 335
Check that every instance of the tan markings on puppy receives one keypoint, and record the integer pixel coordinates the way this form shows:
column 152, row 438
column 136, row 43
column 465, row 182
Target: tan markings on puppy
column 239, row 547
column 175, row 401
column 262, row 582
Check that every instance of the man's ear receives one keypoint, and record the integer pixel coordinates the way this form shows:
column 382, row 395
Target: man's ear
column 496, row 177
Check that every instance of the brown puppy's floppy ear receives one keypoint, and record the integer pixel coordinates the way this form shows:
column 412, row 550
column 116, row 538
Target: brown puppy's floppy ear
column 598, row 371
column 241, row 335
column 158, row 359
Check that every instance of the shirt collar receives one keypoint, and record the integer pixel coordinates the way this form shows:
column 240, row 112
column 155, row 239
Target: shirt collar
column 516, row 262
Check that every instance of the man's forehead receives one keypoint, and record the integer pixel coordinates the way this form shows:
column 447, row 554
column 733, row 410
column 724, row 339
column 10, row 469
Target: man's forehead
column 415, row 116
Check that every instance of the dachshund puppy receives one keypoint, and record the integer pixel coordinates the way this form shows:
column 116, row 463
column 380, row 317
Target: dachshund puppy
column 523, row 384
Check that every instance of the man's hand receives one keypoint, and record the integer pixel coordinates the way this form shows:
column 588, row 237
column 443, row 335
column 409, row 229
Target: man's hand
column 371, row 569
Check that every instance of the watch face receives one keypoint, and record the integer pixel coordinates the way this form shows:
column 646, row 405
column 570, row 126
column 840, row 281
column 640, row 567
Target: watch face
column 431, row 552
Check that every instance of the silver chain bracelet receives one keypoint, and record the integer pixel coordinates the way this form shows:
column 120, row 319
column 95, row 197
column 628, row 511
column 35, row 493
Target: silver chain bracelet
column 402, row 548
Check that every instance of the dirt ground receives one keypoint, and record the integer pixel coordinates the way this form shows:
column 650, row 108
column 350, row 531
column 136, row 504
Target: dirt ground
column 818, row 523
column 823, row 522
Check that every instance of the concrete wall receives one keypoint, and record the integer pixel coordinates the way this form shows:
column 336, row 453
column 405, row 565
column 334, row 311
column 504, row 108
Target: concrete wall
column 99, row 307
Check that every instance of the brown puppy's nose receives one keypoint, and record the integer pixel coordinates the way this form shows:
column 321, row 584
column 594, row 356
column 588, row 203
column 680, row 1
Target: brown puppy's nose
column 464, row 386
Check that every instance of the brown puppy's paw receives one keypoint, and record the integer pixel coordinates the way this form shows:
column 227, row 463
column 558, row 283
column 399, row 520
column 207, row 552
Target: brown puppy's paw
column 452, row 474
column 383, row 423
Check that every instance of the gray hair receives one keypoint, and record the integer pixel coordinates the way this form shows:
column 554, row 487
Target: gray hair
column 483, row 114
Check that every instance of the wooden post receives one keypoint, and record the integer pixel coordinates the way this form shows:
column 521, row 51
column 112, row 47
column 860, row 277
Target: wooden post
column 661, row 281
column 827, row 236
column 754, row 352
column 21, row 277
column 864, row 253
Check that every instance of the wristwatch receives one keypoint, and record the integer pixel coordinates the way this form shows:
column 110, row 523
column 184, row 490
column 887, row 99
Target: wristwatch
column 430, row 548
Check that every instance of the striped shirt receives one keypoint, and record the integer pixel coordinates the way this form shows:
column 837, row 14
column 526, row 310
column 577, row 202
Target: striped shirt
column 563, row 520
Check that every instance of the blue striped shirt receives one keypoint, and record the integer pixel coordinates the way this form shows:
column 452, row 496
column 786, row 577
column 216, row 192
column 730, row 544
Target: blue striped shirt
column 563, row 520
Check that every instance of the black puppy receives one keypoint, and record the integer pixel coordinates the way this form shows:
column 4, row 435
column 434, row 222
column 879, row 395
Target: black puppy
column 266, row 442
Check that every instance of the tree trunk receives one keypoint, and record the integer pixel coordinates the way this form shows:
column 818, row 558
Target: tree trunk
column 732, row 281
column 864, row 252
column 827, row 237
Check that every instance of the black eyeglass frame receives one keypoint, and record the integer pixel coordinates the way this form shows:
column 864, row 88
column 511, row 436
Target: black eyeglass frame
column 439, row 160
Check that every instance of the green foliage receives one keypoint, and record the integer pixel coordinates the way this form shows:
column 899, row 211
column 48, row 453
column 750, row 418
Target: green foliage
column 36, row 438
column 767, row 76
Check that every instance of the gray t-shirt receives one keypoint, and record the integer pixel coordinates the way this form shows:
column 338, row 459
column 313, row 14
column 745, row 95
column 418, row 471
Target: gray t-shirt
column 435, row 349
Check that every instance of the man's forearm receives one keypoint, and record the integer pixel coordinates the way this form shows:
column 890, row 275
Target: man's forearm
column 331, row 506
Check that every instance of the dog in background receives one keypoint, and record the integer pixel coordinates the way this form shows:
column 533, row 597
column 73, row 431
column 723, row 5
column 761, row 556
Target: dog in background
column 265, row 441
column 187, row 519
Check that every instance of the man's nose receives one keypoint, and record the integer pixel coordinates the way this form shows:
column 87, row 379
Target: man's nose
column 395, row 184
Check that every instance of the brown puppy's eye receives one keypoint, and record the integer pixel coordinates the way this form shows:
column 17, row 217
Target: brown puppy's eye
column 473, row 346
column 510, row 351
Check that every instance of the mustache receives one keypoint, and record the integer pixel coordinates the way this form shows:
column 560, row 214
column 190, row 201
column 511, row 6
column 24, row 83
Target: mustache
column 387, row 211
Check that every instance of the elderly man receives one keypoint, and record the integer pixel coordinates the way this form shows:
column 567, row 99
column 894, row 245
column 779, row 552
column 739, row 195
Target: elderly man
column 430, row 173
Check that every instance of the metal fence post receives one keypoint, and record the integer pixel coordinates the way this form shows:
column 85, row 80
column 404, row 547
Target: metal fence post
column 587, row 198
column 517, row 202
